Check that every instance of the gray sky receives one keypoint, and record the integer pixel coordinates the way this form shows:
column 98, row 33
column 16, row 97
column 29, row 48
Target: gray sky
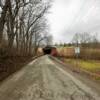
column 70, row 16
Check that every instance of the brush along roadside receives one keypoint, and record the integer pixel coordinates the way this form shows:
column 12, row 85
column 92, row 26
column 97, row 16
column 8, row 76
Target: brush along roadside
column 89, row 67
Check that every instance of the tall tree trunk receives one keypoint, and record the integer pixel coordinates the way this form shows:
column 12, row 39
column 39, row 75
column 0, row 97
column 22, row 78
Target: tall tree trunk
column 30, row 45
column 10, row 42
column 17, row 43
column 3, row 19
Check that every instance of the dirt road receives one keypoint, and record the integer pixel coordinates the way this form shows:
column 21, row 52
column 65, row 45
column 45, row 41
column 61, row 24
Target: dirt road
column 42, row 79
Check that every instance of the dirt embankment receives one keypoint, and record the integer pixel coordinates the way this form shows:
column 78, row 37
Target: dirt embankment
column 10, row 65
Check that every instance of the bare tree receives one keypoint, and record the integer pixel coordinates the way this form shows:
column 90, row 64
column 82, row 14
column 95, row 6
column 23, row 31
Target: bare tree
column 4, row 9
column 25, row 24
column 85, row 39
column 76, row 39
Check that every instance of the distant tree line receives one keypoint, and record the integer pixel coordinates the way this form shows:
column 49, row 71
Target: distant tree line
column 23, row 26
column 86, row 40
column 83, row 40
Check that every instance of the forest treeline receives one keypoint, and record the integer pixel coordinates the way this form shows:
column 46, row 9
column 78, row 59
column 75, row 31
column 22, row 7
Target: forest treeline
column 89, row 46
column 84, row 40
column 23, row 26
column 87, row 40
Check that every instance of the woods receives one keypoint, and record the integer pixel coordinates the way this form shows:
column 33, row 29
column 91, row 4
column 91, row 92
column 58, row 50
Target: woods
column 23, row 26
column 86, row 40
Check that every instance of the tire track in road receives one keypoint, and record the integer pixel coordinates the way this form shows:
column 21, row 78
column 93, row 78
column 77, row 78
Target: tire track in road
column 89, row 92
column 43, row 80
column 56, row 81
column 70, row 88
column 26, row 87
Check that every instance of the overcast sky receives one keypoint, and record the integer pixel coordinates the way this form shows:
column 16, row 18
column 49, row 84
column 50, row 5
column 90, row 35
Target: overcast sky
column 70, row 16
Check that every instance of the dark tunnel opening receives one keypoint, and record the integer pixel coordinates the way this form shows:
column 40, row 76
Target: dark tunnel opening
column 47, row 50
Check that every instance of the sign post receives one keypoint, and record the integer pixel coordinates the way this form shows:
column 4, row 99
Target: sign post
column 77, row 52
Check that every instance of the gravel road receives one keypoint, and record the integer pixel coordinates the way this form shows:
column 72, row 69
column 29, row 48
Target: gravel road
column 43, row 79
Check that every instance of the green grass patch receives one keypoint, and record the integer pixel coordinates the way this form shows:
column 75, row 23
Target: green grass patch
column 91, row 65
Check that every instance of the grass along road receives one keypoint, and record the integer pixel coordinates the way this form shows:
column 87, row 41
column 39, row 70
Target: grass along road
column 87, row 65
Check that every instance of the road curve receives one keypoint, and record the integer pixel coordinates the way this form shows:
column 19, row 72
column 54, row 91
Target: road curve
column 42, row 79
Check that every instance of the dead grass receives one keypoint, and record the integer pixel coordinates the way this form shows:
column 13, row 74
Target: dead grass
column 90, row 65
column 11, row 65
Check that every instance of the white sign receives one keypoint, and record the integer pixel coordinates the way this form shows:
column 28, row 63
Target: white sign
column 77, row 50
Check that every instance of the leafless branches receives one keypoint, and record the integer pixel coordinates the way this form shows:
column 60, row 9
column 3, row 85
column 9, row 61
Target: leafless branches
column 86, row 40
column 24, row 23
